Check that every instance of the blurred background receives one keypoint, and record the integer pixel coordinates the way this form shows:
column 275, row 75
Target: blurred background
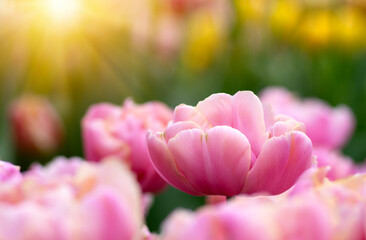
column 60, row 56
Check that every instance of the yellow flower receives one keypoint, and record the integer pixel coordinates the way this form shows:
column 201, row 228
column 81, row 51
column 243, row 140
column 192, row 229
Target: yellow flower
column 204, row 37
column 254, row 10
column 349, row 28
column 284, row 16
column 315, row 29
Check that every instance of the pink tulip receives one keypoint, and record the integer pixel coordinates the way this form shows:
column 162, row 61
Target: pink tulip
column 110, row 130
column 255, row 219
column 228, row 145
column 8, row 172
column 340, row 165
column 72, row 199
column 325, row 126
column 37, row 128
column 326, row 211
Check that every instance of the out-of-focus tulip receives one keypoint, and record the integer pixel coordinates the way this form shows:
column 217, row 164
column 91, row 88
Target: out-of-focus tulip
column 37, row 128
column 110, row 130
column 284, row 16
column 73, row 199
column 8, row 171
column 204, row 37
column 168, row 36
column 348, row 29
column 340, row 165
column 251, row 10
column 327, row 211
column 326, row 126
column 184, row 6
column 228, row 145
column 319, row 36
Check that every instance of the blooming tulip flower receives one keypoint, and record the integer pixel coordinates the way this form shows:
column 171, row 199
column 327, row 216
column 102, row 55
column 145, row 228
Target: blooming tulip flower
column 109, row 130
column 325, row 126
column 72, row 199
column 228, row 145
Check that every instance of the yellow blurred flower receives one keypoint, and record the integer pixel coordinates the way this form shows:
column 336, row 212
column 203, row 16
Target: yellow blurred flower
column 254, row 10
column 315, row 29
column 349, row 28
column 284, row 16
column 204, row 38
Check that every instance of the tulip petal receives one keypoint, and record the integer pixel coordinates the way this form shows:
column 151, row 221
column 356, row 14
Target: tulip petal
column 218, row 109
column 249, row 119
column 188, row 113
column 230, row 156
column 177, row 127
column 280, row 163
column 216, row 163
column 165, row 165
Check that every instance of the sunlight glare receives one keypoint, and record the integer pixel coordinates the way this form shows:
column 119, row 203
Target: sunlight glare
column 63, row 10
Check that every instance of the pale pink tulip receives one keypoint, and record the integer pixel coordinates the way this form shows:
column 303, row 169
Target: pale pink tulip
column 325, row 126
column 8, row 172
column 340, row 165
column 110, row 130
column 326, row 211
column 256, row 219
column 228, row 145
column 73, row 199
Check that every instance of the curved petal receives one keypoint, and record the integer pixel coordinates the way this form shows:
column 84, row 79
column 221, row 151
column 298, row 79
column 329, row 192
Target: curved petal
column 165, row 165
column 280, row 163
column 282, row 127
column 230, row 156
column 249, row 119
column 218, row 109
column 216, row 163
column 188, row 113
column 177, row 127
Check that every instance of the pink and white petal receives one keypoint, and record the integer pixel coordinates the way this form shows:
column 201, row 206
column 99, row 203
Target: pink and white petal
column 218, row 109
column 229, row 154
column 280, row 163
column 282, row 127
column 177, row 127
column 249, row 119
column 188, row 113
column 165, row 165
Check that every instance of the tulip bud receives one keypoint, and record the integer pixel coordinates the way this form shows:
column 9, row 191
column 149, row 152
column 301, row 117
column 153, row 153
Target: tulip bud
column 37, row 128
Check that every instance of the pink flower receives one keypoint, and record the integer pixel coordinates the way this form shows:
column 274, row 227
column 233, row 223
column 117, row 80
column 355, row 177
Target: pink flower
column 110, row 130
column 253, row 218
column 228, row 145
column 73, row 199
column 8, row 172
column 37, row 128
column 325, row 126
column 328, row 210
column 340, row 165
